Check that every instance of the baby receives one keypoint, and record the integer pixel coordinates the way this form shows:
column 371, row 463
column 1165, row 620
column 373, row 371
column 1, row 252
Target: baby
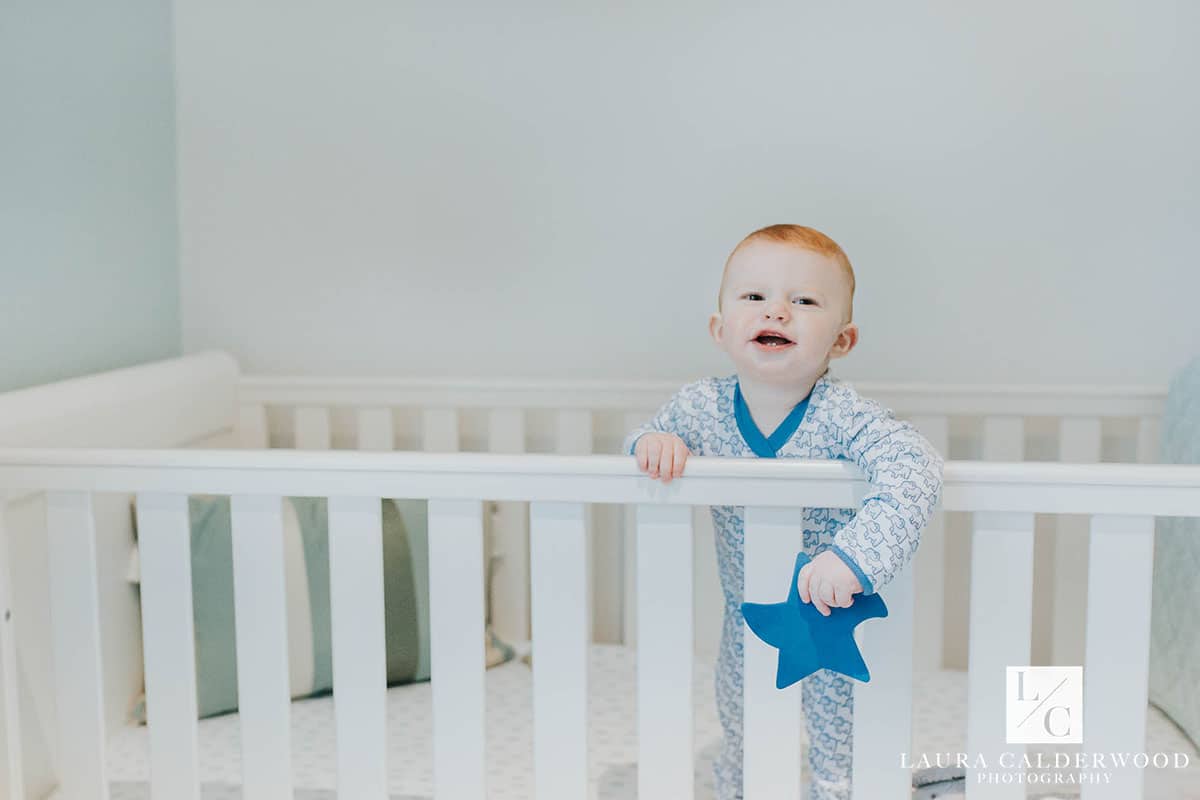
column 784, row 310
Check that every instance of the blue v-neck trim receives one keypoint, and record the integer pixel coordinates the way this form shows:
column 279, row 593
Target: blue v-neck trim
column 766, row 446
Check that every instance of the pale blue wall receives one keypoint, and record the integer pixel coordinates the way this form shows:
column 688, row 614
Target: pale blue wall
column 89, row 276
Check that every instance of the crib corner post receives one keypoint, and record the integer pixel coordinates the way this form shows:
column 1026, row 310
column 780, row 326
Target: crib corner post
column 15, row 780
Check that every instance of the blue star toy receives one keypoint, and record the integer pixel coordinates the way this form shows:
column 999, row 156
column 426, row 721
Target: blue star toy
column 808, row 641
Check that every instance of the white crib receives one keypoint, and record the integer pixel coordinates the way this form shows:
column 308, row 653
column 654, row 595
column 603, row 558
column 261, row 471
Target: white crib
column 560, row 576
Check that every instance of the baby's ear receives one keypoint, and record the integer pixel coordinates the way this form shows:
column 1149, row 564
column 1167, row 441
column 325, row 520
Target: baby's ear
column 845, row 341
column 714, row 326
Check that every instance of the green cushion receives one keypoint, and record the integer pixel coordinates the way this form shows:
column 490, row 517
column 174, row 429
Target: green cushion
column 405, row 589
column 406, row 596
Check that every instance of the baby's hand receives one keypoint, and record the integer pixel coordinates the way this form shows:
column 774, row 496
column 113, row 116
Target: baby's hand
column 827, row 582
column 661, row 454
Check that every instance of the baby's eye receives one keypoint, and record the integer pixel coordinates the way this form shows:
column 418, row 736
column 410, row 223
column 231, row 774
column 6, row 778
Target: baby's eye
column 752, row 296
column 804, row 301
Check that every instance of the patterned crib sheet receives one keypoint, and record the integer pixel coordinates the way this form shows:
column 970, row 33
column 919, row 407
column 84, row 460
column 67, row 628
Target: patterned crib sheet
column 939, row 726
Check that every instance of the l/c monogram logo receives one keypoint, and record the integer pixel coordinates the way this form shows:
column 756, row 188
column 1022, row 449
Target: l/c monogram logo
column 1045, row 705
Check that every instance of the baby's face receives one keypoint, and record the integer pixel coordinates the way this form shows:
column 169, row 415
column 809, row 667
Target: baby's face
column 783, row 313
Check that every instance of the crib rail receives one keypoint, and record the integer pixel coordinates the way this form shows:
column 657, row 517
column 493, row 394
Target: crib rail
column 910, row 398
column 1036, row 487
column 1073, row 424
column 1122, row 501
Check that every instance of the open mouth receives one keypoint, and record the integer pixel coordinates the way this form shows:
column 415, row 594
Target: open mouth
column 772, row 339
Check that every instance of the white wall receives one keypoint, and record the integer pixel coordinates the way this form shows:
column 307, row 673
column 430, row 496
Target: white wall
column 539, row 188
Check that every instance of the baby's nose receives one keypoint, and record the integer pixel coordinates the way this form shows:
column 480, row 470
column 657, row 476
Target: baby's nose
column 777, row 312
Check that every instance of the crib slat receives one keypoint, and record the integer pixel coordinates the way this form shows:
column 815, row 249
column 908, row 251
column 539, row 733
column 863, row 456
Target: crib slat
column 510, row 535
column 506, row 430
column 376, row 430
column 772, row 718
column 15, row 784
column 1148, row 440
column 708, row 608
column 1079, row 443
column 664, row 699
column 260, row 623
column 1001, row 623
column 252, row 431
column 630, row 421
column 883, row 705
column 312, row 428
column 359, row 660
column 439, row 430
column 574, row 431
column 575, row 436
column 78, row 679
column 929, row 570
column 1003, row 438
column 999, row 637
column 456, row 639
column 558, row 559
column 1117, row 663
column 1079, row 440
column 164, row 549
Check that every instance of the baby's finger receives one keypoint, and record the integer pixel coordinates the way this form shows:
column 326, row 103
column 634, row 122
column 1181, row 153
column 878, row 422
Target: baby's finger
column 842, row 596
column 825, row 592
column 819, row 603
column 653, row 456
column 681, row 454
column 639, row 452
column 666, row 464
column 802, row 583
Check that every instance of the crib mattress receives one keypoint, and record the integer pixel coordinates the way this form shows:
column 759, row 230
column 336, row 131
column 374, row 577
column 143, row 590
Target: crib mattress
column 939, row 726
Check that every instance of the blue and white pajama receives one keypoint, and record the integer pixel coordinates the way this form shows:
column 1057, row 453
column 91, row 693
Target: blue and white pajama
column 875, row 541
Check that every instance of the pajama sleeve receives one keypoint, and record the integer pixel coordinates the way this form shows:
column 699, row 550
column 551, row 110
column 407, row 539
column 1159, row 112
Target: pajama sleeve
column 905, row 473
column 680, row 415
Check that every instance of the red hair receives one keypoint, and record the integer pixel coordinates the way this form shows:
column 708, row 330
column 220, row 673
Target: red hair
column 804, row 238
